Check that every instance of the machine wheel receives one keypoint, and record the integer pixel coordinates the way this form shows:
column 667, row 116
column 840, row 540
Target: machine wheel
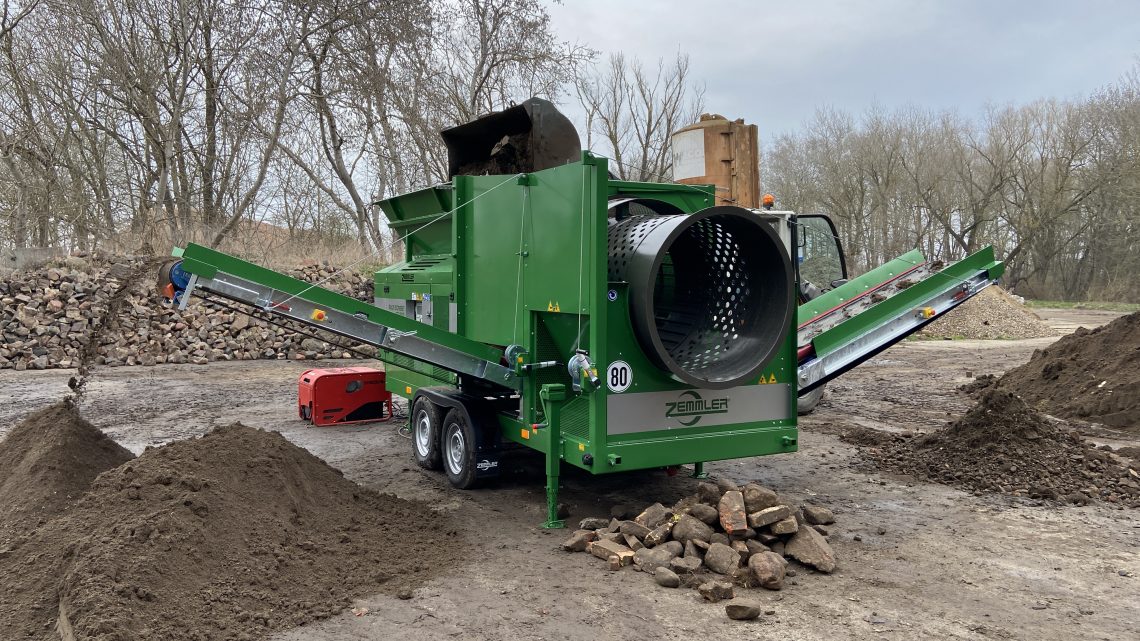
column 808, row 401
column 425, row 434
column 306, row 412
column 459, row 449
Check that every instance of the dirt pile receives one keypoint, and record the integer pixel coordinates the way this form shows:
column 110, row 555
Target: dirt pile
column 1003, row 445
column 715, row 541
column 48, row 314
column 46, row 463
column 1092, row 375
column 228, row 536
column 992, row 314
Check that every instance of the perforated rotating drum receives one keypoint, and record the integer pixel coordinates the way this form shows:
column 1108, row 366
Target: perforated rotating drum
column 711, row 293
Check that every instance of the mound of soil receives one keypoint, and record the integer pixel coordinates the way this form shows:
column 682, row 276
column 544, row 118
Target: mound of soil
column 1003, row 445
column 229, row 536
column 46, row 462
column 1092, row 375
column 992, row 314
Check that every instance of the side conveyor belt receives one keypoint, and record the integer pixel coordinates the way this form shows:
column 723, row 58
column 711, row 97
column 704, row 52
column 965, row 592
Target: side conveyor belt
column 205, row 272
column 853, row 322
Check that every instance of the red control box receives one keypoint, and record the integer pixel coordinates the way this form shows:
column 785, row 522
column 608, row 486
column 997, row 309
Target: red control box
column 341, row 395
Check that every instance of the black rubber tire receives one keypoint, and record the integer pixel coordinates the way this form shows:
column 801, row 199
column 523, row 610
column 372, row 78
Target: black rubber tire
column 424, row 422
column 458, row 444
column 807, row 402
column 306, row 412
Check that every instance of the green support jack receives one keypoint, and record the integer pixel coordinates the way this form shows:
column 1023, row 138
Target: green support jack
column 699, row 471
column 552, row 397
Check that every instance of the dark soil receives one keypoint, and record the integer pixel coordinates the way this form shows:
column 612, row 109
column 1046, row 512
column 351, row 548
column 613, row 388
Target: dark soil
column 1091, row 375
column 46, row 462
column 1003, row 445
column 511, row 155
column 228, row 536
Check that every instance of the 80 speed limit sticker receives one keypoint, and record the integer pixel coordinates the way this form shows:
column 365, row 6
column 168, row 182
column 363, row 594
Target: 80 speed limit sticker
column 619, row 376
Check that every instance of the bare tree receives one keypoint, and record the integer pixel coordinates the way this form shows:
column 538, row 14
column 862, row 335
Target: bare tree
column 631, row 112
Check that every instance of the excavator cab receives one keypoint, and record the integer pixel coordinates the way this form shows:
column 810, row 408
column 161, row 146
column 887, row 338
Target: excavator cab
column 820, row 263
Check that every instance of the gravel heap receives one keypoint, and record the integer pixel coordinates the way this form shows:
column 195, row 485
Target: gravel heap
column 229, row 536
column 1091, row 375
column 992, row 314
column 721, row 538
column 1003, row 445
column 47, row 314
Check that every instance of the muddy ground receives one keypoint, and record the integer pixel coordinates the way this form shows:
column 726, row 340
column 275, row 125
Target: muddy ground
column 932, row 562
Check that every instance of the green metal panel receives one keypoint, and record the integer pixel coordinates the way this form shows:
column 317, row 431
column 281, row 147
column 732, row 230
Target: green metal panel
column 421, row 215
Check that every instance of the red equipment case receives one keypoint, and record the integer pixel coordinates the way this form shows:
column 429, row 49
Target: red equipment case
column 342, row 395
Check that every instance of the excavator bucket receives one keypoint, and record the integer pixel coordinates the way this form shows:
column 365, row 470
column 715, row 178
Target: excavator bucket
column 524, row 138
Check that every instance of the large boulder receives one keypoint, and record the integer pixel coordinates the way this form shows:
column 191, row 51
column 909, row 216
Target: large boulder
column 689, row 527
column 732, row 516
column 758, row 497
column 722, row 559
column 768, row 569
column 810, row 548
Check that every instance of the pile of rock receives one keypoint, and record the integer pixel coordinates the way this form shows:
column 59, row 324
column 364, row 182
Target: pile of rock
column 992, row 314
column 721, row 538
column 47, row 315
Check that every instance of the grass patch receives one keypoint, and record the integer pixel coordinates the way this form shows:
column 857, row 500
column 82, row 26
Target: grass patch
column 1094, row 305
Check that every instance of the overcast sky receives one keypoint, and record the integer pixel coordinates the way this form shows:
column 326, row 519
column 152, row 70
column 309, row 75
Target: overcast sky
column 774, row 63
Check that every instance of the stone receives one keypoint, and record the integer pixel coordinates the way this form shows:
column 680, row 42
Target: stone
column 649, row 559
column 632, row 542
column 634, row 529
column 767, row 570
column 593, row 523
column 685, row 564
column 822, row 530
column 653, row 516
column 659, row 535
column 768, row 516
column 732, row 516
column 666, row 578
column 746, row 533
column 722, row 559
column 719, row 537
column 786, row 526
column 691, row 550
column 716, row 591
column 756, row 547
column 726, row 485
column 708, row 493
column 604, row 549
column 689, row 527
column 816, row 515
column 778, row 548
column 704, row 513
column 240, row 322
column 810, row 548
column 758, row 497
column 741, row 549
column 740, row 610
column 579, row 540
column 614, row 525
